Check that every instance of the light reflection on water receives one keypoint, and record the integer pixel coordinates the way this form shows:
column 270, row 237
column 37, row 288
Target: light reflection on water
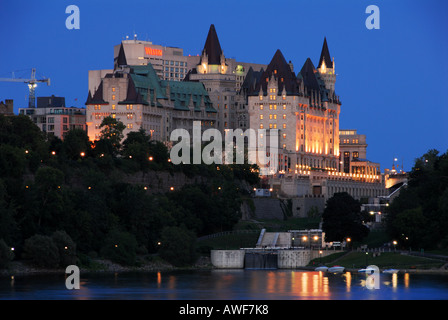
column 228, row 285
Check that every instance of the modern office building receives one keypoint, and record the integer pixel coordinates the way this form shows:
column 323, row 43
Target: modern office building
column 169, row 63
column 53, row 117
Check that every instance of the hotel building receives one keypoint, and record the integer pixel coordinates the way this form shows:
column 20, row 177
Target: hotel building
column 159, row 89
column 138, row 97
column 315, row 159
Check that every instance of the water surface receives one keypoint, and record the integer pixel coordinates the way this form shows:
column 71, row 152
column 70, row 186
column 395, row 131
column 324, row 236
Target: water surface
column 227, row 285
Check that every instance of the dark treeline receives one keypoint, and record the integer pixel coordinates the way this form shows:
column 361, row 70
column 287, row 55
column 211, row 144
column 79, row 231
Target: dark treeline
column 418, row 217
column 64, row 199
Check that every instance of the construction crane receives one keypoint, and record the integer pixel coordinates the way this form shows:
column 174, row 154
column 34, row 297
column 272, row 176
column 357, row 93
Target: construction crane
column 32, row 84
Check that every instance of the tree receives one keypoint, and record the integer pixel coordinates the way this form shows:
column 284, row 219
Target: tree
column 342, row 219
column 136, row 148
column 66, row 248
column 112, row 132
column 6, row 254
column 120, row 247
column 418, row 217
column 178, row 246
column 76, row 141
column 41, row 251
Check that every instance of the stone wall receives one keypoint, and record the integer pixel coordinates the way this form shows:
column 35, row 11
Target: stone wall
column 227, row 259
column 286, row 259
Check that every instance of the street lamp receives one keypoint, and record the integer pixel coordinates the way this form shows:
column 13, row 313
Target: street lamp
column 395, row 244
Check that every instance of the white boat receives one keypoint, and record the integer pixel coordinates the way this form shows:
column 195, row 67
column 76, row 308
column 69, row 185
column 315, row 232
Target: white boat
column 366, row 270
column 362, row 270
column 336, row 269
column 322, row 268
column 391, row 271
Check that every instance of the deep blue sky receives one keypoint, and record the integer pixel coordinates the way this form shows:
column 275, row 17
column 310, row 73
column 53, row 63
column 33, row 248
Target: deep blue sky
column 393, row 82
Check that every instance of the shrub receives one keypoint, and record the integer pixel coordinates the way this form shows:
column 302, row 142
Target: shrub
column 178, row 246
column 66, row 248
column 6, row 254
column 41, row 251
column 120, row 247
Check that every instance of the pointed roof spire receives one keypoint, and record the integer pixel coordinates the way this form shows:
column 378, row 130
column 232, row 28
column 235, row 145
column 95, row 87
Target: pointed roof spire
column 97, row 97
column 121, row 58
column 281, row 70
column 212, row 48
column 308, row 75
column 325, row 56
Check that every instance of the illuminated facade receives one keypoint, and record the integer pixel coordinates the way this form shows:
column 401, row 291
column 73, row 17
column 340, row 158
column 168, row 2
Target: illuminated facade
column 305, row 110
column 353, row 149
column 223, row 79
column 135, row 95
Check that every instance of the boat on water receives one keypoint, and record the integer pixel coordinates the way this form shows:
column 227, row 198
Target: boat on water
column 336, row 269
column 366, row 270
column 321, row 268
column 391, row 271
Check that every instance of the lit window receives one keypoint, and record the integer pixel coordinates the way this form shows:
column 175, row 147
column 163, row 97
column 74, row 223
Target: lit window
column 275, row 116
column 261, row 126
column 113, row 89
column 113, row 107
column 261, row 117
column 113, row 97
column 284, row 116
column 130, row 125
column 284, row 126
column 284, row 107
column 261, row 107
column 261, row 98
column 270, row 116
column 284, row 136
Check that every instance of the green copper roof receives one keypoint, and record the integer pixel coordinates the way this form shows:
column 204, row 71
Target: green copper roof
column 145, row 87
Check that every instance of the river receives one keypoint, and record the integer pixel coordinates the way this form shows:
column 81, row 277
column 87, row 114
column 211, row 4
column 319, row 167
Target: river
column 241, row 284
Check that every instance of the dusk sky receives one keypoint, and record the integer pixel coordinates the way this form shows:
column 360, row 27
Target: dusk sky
column 393, row 82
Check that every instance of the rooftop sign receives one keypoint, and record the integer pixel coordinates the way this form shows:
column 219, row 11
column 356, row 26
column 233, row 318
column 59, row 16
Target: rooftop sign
column 153, row 52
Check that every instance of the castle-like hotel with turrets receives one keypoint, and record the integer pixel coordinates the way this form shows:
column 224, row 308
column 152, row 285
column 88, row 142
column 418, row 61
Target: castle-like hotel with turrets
column 160, row 89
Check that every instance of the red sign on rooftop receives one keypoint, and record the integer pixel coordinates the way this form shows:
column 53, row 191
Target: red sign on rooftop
column 153, row 52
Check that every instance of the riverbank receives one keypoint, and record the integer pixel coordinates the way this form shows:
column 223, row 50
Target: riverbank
column 103, row 266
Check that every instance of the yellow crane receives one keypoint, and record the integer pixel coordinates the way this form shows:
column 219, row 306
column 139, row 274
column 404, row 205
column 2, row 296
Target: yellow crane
column 32, row 84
